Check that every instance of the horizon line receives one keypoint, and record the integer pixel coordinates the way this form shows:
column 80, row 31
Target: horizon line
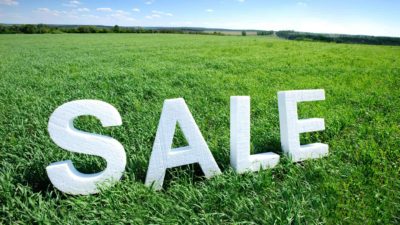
column 194, row 27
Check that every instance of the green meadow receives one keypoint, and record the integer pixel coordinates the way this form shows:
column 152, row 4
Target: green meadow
column 358, row 183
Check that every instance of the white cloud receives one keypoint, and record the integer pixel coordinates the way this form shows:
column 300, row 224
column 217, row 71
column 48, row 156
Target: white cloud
column 240, row 0
column 104, row 9
column 49, row 15
column 161, row 13
column 153, row 16
column 91, row 16
column 209, row 10
column 149, row 2
column 121, row 15
column 73, row 4
column 122, row 12
column 8, row 2
column 136, row 9
column 158, row 14
column 47, row 11
column 301, row 3
column 83, row 10
column 42, row 10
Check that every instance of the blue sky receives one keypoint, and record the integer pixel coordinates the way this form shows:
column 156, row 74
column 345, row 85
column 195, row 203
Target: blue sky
column 372, row 17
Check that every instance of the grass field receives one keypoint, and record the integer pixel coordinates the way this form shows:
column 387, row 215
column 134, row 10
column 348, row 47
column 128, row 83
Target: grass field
column 359, row 183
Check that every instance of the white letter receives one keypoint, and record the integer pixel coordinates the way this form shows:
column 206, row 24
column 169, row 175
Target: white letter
column 62, row 174
column 291, row 127
column 163, row 156
column 241, row 160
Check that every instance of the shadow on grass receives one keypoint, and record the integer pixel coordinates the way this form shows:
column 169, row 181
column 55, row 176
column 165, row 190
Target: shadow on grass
column 191, row 174
column 273, row 145
column 36, row 176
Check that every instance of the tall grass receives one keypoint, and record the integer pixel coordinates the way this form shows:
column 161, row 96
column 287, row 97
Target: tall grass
column 358, row 183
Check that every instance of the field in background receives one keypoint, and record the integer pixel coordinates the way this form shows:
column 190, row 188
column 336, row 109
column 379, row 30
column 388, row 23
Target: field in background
column 285, row 34
column 358, row 183
column 233, row 32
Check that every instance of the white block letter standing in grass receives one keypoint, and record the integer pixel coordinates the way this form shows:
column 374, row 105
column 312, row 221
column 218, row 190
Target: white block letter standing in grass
column 62, row 174
column 241, row 160
column 164, row 156
column 291, row 127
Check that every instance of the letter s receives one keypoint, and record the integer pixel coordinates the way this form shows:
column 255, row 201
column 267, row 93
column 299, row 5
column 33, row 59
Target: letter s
column 63, row 174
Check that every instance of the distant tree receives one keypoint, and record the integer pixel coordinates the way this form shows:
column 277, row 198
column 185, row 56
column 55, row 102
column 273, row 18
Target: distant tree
column 42, row 29
column 87, row 29
column 92, row 29
column 104, row 30
column 244, row 33
column 353, row 39
column 28, row 29
column 3, row 29
column 116, row 29
column 83, row 29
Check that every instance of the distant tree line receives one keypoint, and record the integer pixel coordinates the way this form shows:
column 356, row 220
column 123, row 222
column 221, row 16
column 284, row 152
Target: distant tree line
column 290, row 35
column 338, row 38
column 55, row 29
column 265, row 33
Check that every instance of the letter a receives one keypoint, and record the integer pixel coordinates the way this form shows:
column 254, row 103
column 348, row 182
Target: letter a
column 164, row 157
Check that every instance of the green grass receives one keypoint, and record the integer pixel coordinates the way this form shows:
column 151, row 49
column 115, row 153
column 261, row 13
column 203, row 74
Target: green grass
column 359, row 183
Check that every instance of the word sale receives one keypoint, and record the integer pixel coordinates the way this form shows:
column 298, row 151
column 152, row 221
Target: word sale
column 66, row 178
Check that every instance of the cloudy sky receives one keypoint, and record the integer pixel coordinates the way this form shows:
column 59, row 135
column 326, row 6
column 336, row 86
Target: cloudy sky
column 373, row 17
